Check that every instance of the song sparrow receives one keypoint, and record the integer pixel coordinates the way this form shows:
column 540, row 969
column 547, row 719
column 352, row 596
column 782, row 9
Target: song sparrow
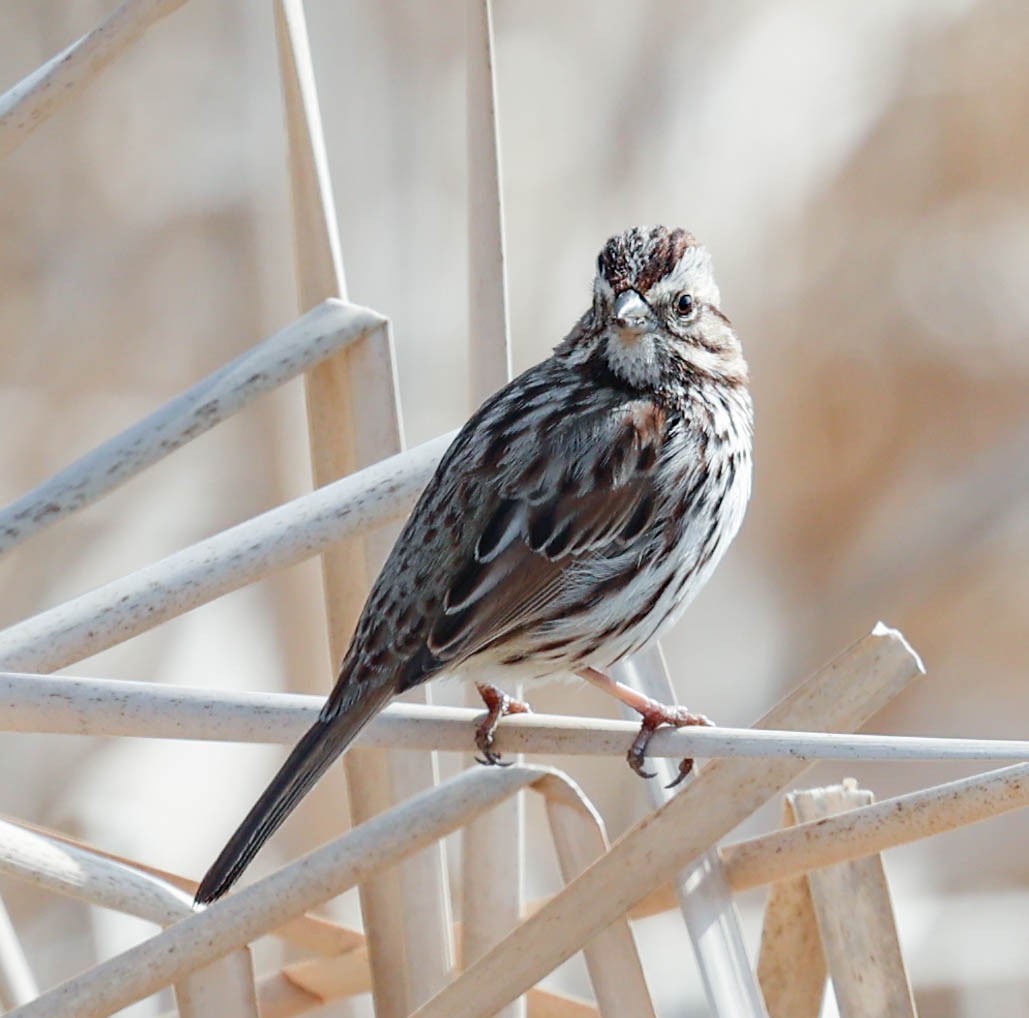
column 572, row 519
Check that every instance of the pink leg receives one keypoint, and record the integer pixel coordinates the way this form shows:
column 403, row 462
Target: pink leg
column 498, row 705
column 654, row 715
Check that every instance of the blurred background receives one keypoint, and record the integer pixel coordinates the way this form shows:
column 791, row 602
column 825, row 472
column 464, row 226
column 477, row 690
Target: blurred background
column 860, row 173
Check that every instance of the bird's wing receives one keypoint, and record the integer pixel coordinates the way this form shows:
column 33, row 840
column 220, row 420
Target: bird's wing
column 584, row 487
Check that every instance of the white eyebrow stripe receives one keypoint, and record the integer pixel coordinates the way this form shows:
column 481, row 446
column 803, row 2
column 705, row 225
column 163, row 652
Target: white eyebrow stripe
column 692, row 274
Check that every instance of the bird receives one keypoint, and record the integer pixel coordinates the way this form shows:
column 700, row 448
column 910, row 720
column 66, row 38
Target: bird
column 568, row 525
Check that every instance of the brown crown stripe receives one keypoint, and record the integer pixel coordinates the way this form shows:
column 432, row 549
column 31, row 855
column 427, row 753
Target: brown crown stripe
column 638, row 260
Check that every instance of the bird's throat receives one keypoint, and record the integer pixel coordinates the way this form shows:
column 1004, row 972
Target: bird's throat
column 633, row 358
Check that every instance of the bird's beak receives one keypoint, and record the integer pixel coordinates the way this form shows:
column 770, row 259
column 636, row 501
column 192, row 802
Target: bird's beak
column 631, row 314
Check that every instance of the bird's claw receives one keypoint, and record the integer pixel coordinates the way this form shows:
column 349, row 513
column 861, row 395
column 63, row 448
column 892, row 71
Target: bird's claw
column 493, row 760
column 637, row 751
column 685, row 769
column 498, row 705
column 654, row 716
column 637, row 766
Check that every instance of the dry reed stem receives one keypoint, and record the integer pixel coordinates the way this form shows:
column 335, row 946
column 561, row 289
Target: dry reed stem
column 791, row 965
column 777, row 857
column 234, row 921
column 855, row 919
column 702, row 890
column 65, row 866
column 843, row 694
column 279, row 997
column 242, row 554
column 796, row 850
column 612, row 959
column 353, row 411
column 428, row 946
column 225, row 988
column 315, row 982
column 62, row 704
column 17, row 983
column 875, row 828
column 544, row 1004
column 133, row 887
column 41, row 94
column 323, row 331
column 319, row 935
column 730, row 982
column 305, row 986
column 74, row 870
column 490, row 348
column 494, row 844
column 491, row 882
column 781, row 856
column 329, row 979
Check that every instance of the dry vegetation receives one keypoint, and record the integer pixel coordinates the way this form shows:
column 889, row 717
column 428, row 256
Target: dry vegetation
column 860, row 176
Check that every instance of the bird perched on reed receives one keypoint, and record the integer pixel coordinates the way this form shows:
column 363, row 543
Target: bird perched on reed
column 569, row 524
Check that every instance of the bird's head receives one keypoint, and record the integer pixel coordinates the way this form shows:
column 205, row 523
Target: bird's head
column 655, row 314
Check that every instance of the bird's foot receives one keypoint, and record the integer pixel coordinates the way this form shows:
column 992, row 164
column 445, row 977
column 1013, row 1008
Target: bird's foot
column 654, row 715
column 498, row 705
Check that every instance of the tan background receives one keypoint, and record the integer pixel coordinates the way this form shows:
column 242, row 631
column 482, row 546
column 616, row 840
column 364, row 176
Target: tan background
column 860, row 173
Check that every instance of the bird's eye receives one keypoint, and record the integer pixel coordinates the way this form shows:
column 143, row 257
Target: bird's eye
column 684, row 303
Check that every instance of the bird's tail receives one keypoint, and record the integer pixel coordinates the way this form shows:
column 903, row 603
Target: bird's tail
column 311, row 756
